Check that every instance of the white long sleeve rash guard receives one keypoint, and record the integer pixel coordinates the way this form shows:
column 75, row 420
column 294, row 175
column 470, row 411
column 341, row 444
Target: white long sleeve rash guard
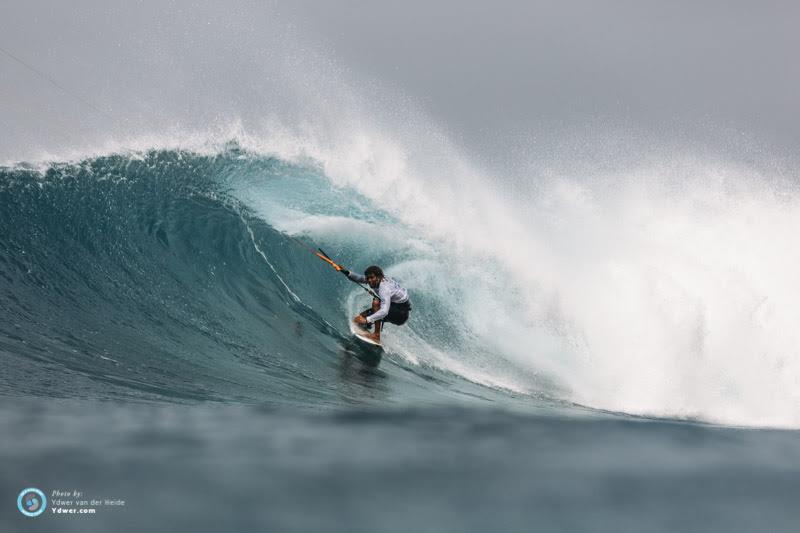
column 389, row 291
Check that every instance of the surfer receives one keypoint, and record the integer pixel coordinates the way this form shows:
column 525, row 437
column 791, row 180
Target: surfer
column 392, row 304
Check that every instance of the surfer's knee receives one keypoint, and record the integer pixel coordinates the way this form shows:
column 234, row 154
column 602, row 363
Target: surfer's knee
column 376, row 304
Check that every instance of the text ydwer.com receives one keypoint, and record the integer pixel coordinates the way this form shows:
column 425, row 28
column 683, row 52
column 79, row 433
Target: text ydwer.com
column 72, row 510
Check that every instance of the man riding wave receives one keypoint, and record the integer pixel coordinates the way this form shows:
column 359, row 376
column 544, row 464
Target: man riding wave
column 392, row 305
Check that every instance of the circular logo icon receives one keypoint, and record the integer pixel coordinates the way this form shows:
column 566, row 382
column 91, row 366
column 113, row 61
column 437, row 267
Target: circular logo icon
column 31, row 502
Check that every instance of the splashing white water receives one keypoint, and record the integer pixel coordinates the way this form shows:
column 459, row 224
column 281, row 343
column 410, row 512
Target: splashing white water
column 664, row 290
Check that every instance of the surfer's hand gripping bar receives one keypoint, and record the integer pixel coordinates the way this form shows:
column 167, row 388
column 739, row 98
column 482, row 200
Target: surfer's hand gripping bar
column 327, row 259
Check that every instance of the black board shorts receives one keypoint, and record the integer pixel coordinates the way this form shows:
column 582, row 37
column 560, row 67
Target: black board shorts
column 398, row 313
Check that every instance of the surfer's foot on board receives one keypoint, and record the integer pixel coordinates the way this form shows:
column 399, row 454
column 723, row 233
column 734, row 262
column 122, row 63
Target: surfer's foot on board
column 371, row 335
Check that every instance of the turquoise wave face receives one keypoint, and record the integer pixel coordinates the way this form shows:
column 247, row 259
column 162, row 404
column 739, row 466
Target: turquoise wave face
column 147, row 277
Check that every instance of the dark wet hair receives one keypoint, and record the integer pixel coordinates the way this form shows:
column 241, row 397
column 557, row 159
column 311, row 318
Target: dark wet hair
column 376, row 270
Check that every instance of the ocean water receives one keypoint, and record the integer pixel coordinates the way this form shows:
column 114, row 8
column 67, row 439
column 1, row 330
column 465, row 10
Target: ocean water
column 389, row 468
column 167, row 339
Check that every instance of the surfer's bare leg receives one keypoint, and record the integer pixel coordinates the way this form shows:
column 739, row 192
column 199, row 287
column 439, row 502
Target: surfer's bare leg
column 376, row 335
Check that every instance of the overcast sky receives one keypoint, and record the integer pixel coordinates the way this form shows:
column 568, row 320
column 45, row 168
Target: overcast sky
column 487, row 72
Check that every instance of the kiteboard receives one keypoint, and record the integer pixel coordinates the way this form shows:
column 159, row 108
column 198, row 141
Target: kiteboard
column 361, row 334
